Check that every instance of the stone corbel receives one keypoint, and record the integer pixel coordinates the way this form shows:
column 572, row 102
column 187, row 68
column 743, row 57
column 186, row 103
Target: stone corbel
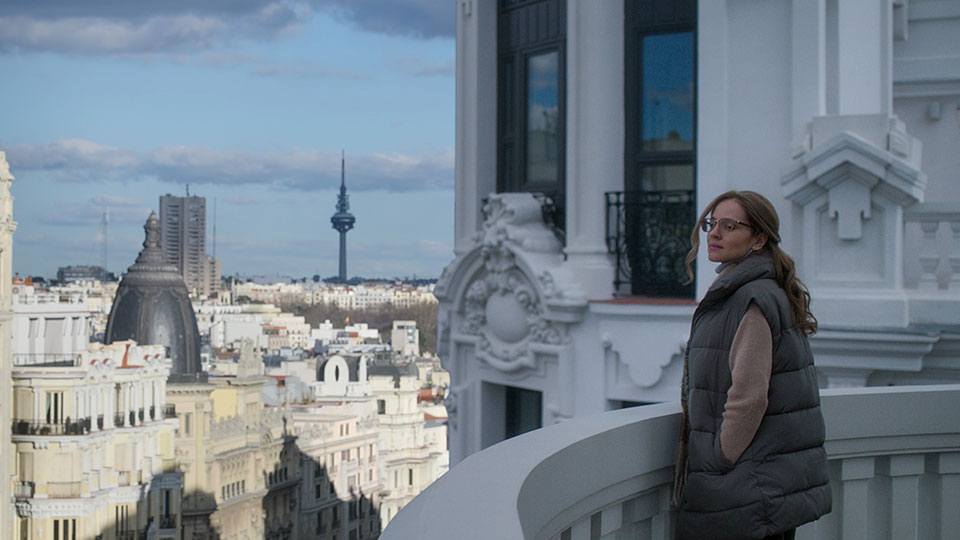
column 645, row 360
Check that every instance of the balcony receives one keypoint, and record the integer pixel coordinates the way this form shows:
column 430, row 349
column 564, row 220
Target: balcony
column 37, row 427
column 24, row 490
column 62, row 490
column 938, row 252
column 45, row 360
column 894, row 463
column 649, row 235
column 169, row 411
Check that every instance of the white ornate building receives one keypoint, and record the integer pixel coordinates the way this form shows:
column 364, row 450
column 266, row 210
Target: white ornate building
column 571, row 305
column 7, row 461
column 589, row 136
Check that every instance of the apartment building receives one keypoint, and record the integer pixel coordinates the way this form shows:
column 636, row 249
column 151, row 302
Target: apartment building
column 94, row 442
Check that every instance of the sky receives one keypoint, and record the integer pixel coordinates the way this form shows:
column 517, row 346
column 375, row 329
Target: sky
column 109, row 104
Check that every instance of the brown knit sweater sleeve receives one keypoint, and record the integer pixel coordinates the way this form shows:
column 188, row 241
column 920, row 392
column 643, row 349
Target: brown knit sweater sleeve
column 751, row 362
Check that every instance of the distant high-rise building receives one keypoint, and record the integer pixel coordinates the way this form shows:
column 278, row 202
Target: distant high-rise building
column 343, row 220
column 183, row 236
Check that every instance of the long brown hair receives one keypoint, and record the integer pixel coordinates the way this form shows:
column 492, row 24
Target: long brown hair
column 764, row 219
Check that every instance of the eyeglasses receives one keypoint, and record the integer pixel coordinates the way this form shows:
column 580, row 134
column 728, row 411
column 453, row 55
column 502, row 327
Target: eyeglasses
column 726, row 225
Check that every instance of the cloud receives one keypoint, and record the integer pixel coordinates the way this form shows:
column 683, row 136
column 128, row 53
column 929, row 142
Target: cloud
column 114, row 201
column 246, row 201
column 80, row 160
column 305, row 70
column 418, row 68
column 137, row 27
column 142, row 27
column 91, row 213
column 415, row 18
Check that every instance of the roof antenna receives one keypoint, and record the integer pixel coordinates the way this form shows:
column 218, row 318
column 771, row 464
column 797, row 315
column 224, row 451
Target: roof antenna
column 188, row 190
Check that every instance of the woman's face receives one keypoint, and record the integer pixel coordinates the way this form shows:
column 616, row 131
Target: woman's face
column 724, row 244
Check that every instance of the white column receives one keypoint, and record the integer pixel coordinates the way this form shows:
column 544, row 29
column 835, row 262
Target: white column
column 712, row 128
column 809, row 65
column 476, row 116
column 864, row 40
column 127, row 403
column 595, row 137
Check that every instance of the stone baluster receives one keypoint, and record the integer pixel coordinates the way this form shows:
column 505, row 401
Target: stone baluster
column 929, row 254
column 948, row 467
column 954, row 255
column 912, row 498
column 863, row 506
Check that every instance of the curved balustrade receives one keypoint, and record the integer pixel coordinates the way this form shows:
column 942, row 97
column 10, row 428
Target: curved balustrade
column 894, row 463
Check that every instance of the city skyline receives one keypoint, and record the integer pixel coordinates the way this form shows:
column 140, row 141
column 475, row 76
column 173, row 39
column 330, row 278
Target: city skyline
column 250, row 105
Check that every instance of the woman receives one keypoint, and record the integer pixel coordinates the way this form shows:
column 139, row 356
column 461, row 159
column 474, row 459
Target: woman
column 752, row 463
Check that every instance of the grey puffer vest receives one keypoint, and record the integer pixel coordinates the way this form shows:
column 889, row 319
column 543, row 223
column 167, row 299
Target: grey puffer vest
column 781, row 479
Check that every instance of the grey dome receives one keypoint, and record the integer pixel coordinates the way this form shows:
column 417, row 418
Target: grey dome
column 152, row 307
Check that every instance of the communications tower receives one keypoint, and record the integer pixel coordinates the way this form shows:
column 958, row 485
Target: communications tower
column 343, row 220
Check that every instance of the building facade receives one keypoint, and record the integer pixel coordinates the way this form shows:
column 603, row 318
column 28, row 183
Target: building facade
column 590, row 135
column 94, row 445
column 341, row 484
column 240, row 461
column 412, row 456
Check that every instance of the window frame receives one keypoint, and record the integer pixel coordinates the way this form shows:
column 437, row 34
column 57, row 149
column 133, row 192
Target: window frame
column 513, row 77
column 663, row 17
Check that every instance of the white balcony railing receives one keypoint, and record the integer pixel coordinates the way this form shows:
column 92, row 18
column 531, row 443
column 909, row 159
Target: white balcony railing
column 938, row 253
column 894, row 463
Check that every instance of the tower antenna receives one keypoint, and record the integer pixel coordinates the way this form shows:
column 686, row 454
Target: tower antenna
column 343, row 220
column 214, row 227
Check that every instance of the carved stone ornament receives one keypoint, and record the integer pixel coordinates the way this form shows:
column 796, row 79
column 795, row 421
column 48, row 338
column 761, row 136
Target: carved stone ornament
column 502, row 305
column 43, row 509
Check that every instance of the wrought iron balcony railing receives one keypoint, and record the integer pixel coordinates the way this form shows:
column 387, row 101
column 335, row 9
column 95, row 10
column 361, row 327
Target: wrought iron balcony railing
column 649, row 233
column 153, row 412
column 45, row 360
column 168, row 522
column 39, row 427
column 169, row 411
column 118, row 420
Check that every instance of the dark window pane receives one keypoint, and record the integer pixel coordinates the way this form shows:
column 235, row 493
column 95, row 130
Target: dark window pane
column 543, row 118
column 668, row 80
column 524, row 411
column 667, row 178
